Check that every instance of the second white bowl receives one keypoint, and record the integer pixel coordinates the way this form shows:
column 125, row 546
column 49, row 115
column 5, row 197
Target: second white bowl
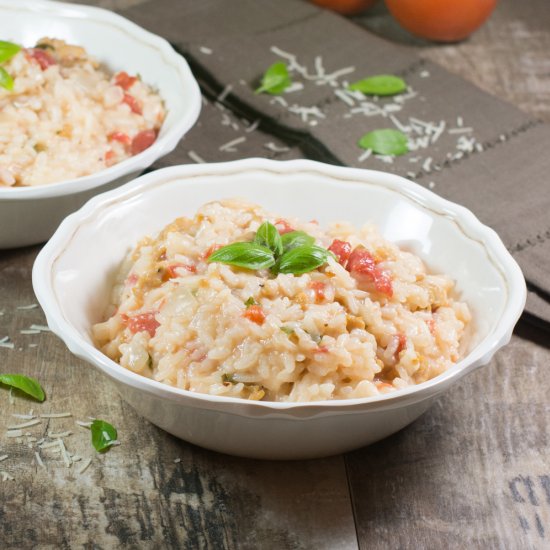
column 29, row 215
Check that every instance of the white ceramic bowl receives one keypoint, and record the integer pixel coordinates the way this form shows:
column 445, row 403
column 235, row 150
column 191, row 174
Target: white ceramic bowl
column 29, row 215
column 73, row 274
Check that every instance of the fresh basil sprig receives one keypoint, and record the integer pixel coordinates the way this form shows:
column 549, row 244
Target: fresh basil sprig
column 6, row 81
column 103, row 435
column 247, row 255
column 8, row 50
column 301, row 259
column 292, row 239
column 293, row 252
column 385, row 142
column 275, row 80
column 381, row 84
column 27, row 385
column 268, row 236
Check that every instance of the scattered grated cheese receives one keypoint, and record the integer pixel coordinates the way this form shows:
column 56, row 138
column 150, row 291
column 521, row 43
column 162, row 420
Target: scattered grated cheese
column 276, row 148
column 84, row 466
column 56, row 415
column 427, row 165
column 4, row 343
column 42, row 328
column 39, row 459
column 10, row 397
column 229, row 147
column 193, row 156
column 3, row 457
column 177, row 460
column 25, row 424
column 29, row 331
column 431, row 185
column 76, row 458
column 460, row 130
column 424, row 74
column 64, row 454
column 205, row 50
column 14, row 433
column 30, row 306
column 49, row 444
column 459, row 121
column 23, row 416
column 294, row 87
column 6, row 476
column 83, row 424
column 253, row 126
column 225, row 92
column 365, row 155
column 59, row 435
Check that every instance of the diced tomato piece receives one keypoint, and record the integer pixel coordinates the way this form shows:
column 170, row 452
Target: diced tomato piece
column 110, row 157
column 142, row 322
column 132, row 279
column 209, row 251
column 133, row 103
column 124, row 80
column 283, row 227
column 362, row 263
column 341, row 249
column 171, row 270
column 255, row 314
column 383, row 385
column 402, row 344
column 121, row 137
column 318, row 288
column 321, row 349
column 143, row 140
column 43, row 58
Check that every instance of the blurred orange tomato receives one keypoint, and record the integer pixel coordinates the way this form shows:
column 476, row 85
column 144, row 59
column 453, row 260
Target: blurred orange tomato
column 441, row 20
column 346, row 7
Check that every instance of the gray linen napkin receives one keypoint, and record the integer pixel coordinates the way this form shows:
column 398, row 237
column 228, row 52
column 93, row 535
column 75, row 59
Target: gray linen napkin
column 469, row 146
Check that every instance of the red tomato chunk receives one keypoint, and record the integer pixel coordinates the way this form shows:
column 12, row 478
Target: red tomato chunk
column 255, row 314
column 362, row 263
column 142, row 322
column 121, row 137
column 43, row 58
column 283, row 227
column 172, row 270
column 318, row 288
column 133, row 103
column 341, row 249
column 143, row 140
column 124, row 80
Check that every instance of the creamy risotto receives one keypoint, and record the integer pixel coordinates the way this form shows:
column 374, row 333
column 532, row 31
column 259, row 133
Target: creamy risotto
column 63, row 116
column 287, row 312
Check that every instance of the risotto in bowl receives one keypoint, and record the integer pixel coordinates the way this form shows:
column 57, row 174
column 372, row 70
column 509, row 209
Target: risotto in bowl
column 87, row 101
column 278, row 309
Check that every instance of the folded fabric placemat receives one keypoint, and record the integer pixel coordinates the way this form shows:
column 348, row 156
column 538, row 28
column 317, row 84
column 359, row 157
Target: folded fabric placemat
column 466, row 145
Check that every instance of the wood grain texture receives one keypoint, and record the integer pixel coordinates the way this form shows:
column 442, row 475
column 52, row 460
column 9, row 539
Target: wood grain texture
column 473, row 471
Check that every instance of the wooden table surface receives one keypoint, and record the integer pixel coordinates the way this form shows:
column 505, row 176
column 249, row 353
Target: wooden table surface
column 474, row 471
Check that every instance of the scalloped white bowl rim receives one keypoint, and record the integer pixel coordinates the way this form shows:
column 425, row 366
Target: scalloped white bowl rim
column 463, row 218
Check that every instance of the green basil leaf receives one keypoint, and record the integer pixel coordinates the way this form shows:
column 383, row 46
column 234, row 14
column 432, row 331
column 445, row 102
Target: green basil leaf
column 250, row 302
column 292, row 239
column 382, row 84
column 103, row 435
column 275, row 80
column 8, row 50
column 385, row 142
column 30, row 386
column 6, row 81
column 302, row 259
column 247, row 255
column 267, row 235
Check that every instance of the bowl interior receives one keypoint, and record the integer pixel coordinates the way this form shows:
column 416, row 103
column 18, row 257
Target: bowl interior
column 83, row 272
column 116, row 43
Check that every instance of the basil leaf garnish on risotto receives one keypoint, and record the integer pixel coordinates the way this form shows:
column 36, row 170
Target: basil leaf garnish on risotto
column 301, row 259
column 27, row 385
column 296, row 238
column 104, row 435
column 8, row 50
column 6, row 81
column 247, row 255
column 267, row 235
